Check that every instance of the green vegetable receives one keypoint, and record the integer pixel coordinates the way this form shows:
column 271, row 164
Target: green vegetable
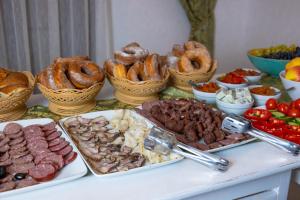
column 277, row 114
column 293, row 123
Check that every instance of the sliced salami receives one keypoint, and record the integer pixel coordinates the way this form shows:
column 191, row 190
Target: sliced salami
column 32, row 129
column 7, row 178
column 4, row 141
column 2, row 136
column 4, row 148
column 20, row 168
column 17, row 146
column 48, row 127
column 4, row 157
column 24, row 159
column 28, row 181
column 53, row 135
column 19, row 154
column 47, row 133
column 60, row 146
column 40, row 157
column 37, row 144
column 16, row 135
column 55, row 141
column 12, row 128
column 65, row 150
column 32, row 139
column 16, row 141
column 57, row 159
column 7, row 186
column 34, row 134
column 6, row 162
column 15, row 151
column 43, row 172
column 70, row 157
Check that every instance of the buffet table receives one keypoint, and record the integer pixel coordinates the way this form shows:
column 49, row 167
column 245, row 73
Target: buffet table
column 258, row 171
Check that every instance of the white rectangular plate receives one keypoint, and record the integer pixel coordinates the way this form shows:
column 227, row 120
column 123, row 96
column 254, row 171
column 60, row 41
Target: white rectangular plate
column 70, row 172
column 109, row 114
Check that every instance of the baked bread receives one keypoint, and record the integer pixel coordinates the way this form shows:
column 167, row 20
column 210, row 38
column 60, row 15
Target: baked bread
column 192, row 56
column 11, row 81
column 136, row 64
column 76, row 72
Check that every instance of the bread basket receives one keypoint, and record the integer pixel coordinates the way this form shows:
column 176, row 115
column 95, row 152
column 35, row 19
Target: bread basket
column 13, row 106
column 181, row 80
column 136, row 93
column 68, row 102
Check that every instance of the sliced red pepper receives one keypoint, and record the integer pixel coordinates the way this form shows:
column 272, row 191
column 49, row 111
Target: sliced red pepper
column 257, row 114
column 276, row 122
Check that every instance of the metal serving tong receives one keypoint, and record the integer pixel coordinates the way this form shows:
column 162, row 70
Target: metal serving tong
column 237, row 124
column 164, row 142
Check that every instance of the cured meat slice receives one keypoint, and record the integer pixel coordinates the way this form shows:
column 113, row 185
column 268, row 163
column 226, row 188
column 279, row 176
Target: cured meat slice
column 4, row 148
column 18, row 146
column 20, row 168
column 7, row 186
column 4, row 141
column 6, row 162
column 228, row 142
column 16, row 141
column 32, row 129
column 43, row 172
column 28, row 181
column 15, row 151
column 38, row 144
column 12, row 128
column 2, row 136
column 70, row 157
column 40, row 156
column 36, row 152
column 32, row 139
column 59, row 146
column 55, row 141
column 65, row 150
column 53, row 135
column 19, row 154
column 16, row 135
column 34, row 134
column 7, row 178
column 56, row 159
column 4, row 157
column 215, row 145
column 24, row 159
column 47, row 133
column 49, row 126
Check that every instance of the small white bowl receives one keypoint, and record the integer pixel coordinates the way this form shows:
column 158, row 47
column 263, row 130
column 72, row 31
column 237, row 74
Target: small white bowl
column 236, row 108
column 207, row 97
column 287, row 84
column 229, row 85
column 260, row 100
column 253, row 79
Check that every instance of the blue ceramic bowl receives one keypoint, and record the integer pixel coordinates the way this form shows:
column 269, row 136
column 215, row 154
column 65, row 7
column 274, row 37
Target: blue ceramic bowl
column 269, row 66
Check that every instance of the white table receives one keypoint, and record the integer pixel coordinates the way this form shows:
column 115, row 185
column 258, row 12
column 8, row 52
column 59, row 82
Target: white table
column 258, row 171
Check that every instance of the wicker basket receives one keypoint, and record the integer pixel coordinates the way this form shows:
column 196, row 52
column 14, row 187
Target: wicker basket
column 13, row 106
column 68, row 102
column 181, row 80
column 136, row 93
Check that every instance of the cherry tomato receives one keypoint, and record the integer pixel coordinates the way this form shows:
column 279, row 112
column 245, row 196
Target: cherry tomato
column 271, row 104
column 297, row 103
column 257, row 114
column 294, row 112
column 283, row 107
column 292, row 105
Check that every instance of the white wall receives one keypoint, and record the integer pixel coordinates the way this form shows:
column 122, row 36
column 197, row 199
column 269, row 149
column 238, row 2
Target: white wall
column 240, row 26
